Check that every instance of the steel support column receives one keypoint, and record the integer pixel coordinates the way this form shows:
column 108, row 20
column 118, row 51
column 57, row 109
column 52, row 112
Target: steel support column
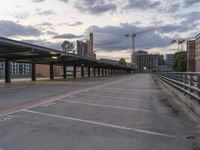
column 94, row 72
column 106, row 72
column 64, row 71
column 51, row 71
column 102, row 72
column 98, row 72
column 89, row 71
column 82, row 71
column 33, row 72
column 74, row 72
column 7, row 71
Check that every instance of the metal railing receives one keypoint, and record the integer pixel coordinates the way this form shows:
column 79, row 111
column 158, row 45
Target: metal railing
column 187, row 83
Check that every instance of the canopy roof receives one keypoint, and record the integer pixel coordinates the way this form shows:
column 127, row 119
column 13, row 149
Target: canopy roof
column 24, row 52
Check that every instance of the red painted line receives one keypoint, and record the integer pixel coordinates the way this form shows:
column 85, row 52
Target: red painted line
column 37, row 102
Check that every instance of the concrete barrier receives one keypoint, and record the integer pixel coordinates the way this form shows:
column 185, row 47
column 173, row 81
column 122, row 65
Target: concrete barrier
column 188, row 101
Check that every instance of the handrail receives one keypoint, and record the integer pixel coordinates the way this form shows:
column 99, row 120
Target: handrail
column 186, row 82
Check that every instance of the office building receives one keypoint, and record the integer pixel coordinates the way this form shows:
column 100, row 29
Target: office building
column 21, row 69
column 17, row 69
column 148, row 62
column 169, row 62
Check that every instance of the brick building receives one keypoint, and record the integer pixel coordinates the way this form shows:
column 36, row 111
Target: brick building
column 148, row 62
column 191, row 65
column 197, row 54
column 44, row 70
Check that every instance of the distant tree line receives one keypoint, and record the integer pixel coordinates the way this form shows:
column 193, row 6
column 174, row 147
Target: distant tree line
column 180, row 61
column 122, row 62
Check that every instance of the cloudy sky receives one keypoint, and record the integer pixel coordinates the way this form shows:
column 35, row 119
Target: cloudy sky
column 50, row 22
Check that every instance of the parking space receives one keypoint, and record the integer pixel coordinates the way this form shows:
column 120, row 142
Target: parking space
column 128, row 112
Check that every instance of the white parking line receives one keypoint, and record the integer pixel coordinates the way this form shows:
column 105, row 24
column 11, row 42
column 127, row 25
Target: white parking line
column 108, row 106
column 102, row 124
column 113, row 97
column 55, row 98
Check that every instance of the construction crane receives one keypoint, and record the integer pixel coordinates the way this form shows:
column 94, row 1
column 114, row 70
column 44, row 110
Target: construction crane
column 133, row 36
column 179, row 42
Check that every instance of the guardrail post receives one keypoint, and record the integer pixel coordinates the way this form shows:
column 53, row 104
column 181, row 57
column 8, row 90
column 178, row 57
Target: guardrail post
column 191, row 82
column 184, row 82
column 198, row 85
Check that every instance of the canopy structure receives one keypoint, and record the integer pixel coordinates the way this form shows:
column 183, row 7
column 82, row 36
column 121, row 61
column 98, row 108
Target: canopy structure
column 12, row 50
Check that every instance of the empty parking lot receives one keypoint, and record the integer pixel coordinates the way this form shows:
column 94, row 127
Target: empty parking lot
column 119, row 113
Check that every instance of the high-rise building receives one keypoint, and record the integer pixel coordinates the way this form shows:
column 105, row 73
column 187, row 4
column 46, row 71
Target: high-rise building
column 21, row 69
column 90, row 44
column 169, row 62
column 191, row 46
column 82, row 48
column 148, row 62
column 86, row 49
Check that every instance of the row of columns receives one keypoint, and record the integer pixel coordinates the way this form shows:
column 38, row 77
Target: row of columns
column 97, row 71
column 101, row 71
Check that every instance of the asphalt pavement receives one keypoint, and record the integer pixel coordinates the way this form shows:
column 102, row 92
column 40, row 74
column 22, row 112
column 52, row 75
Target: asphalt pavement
column 130, row 112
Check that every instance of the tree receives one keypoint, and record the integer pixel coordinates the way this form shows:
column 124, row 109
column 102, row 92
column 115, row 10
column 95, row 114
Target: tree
column 180, row 61
column 67, row 46
column 122, row 62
